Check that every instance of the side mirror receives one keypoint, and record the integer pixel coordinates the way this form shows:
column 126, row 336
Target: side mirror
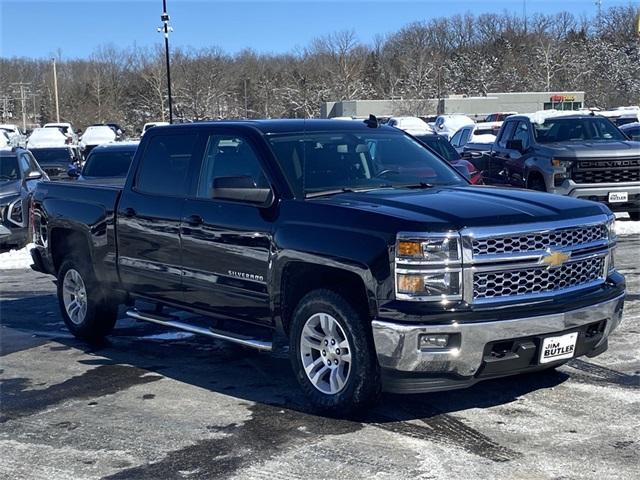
column 241, row 189
column 464, row 170
column 34, row 175
column 515, row 144
column 73, row 172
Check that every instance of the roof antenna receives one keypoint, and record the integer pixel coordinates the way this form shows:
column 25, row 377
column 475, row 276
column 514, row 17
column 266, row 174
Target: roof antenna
column 372, row 121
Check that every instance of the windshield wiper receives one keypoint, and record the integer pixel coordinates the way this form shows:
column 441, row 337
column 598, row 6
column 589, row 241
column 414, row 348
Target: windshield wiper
column 348, row 190
column 6, row 177
column 417, row 186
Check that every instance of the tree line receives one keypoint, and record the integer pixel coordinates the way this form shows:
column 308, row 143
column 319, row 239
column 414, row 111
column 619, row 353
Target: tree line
column 462, row 54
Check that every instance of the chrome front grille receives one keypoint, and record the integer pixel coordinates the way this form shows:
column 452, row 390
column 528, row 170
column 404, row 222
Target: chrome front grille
column 530, row 261
column 607, row 176
column 539, row 241
column 527, row 281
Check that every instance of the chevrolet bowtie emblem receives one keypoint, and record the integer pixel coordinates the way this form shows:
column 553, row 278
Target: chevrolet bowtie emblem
column 554, row 259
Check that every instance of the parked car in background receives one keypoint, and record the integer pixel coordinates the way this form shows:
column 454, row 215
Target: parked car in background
column 577, row 154
column 631, row 130
column 149, row 125
column 47, row 137
column 94, row 136
column 441, row 146
column 475, row 133
column 447, row 125
column 5, row 140
column 67, row 129
column 19, row 173
column 622, row 115
column 499, row 116
column 348, row 246
column 411, row 125
column 106, row 162
column 16, row 137
column 56, row 161
column 118, row 130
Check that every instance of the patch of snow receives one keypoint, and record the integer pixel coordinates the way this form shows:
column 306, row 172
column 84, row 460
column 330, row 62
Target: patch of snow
column 169, row 336
column 16, row 259
column 626, row 226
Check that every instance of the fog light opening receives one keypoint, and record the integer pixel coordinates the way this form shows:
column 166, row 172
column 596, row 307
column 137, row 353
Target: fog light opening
column 439, row 340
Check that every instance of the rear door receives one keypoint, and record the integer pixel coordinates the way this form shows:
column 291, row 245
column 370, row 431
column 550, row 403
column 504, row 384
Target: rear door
column 226, row 244
column 150, row 212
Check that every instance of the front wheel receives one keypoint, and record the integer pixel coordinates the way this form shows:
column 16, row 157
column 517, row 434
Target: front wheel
column 332, row 353
column 86, row 309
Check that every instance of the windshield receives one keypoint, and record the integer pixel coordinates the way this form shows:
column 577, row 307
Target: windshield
column 318, row 162
column 108, row 164
column 9, row 169
column 46, row 156
column 441, row 146
column 576, row 130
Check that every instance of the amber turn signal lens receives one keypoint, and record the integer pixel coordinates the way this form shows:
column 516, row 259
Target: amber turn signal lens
column 410, row 283
column 409, row 248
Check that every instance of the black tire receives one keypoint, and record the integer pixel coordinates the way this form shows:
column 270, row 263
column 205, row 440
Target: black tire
column 362, row 387
column 101, row 310
column 537, row 183
column 634, row 215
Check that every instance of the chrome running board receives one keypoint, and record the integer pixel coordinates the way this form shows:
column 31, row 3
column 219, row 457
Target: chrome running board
column 167, row 321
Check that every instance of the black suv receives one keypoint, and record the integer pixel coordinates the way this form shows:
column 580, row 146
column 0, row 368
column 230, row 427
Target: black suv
column 19, row 173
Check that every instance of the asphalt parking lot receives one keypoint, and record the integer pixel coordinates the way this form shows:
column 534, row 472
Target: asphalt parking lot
column 152, row 403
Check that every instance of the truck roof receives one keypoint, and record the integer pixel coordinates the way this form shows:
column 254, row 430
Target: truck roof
column 285, row 125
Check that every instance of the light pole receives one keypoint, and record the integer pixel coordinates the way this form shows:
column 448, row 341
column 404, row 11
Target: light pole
column 166, row 29
column 55, row 89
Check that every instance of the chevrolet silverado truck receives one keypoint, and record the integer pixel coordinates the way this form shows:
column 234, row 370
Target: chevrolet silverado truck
column 569, row 153
column 348, row 246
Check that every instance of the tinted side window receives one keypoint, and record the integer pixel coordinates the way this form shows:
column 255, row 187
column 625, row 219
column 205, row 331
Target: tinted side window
column 505, row 133
column 466, row 133
column 165, row 165
column 522, row 133
column 229, row 156
column 455, row 140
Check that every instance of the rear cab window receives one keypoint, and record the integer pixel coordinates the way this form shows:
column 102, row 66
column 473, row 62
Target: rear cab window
column 165, row 164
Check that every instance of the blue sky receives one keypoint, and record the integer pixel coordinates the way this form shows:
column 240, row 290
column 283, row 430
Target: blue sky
column 39, row 28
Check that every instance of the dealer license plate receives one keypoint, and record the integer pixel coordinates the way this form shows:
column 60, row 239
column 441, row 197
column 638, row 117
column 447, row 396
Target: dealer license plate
column 558, row 348
column 618, row 197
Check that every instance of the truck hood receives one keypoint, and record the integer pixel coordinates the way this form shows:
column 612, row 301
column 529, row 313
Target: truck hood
column 590, row 150
column 445, row 208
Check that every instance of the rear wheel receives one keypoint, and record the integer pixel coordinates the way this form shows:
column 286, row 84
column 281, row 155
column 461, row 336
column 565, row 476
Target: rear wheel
column 332, row 353
column 88, row 312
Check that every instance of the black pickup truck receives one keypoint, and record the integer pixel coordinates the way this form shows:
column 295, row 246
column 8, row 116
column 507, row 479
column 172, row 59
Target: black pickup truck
column 348, row 246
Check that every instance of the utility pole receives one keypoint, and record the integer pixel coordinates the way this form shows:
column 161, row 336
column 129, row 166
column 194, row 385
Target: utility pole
column 55, row 89
column 246, row 109
column 599, row 6
column 23, row 99
column 166, row 29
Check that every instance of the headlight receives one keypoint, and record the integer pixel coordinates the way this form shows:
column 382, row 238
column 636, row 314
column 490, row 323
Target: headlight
column 15, row 214
column 428, row 267
column 562, row 170
column 445, row 249
column 611, row 229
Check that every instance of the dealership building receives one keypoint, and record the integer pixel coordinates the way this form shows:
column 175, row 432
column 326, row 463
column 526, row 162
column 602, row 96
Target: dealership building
column 521, row 102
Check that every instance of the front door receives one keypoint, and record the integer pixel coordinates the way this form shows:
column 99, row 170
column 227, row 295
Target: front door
column 149, row 216
column 226, row 244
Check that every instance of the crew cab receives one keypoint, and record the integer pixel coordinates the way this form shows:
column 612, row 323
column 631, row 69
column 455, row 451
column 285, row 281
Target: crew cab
column 348, row 246
column 576, row 154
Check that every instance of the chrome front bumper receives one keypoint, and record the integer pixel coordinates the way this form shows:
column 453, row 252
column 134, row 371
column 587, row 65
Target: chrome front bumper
column 586, row 190
column 397, row 345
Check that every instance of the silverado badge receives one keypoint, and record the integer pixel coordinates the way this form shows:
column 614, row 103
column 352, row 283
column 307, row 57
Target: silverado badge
column 554, row 259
